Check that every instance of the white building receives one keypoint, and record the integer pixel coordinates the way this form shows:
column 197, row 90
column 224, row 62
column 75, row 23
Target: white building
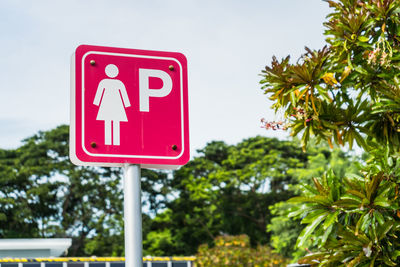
column 33, row 247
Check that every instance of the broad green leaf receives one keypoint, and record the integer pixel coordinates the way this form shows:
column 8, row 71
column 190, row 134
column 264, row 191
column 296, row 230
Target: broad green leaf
column 305, row 234
column 355, row 176
column 356, row 193
column 384, row 229
column 359, row 69
column 330, row 219
column 379, row 217
column 313, row 215
column 360, row 222
column 352, row 197
column 326, row 234
column 363, row 39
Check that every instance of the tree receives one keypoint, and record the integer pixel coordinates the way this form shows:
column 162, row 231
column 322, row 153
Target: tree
column 227, row 189
column 45, row 195
column 348, row 92
column 285, row 230
column 26, row 200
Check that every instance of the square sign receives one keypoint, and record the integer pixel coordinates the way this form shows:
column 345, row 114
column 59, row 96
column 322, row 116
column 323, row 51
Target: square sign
column 128, row 106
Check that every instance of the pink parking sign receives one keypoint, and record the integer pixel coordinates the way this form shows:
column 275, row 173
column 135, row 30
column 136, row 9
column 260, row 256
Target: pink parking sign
column 128, row 106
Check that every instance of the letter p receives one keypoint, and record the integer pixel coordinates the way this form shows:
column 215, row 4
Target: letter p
column 144, row 90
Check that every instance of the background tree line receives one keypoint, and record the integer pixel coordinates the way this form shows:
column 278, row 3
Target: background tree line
column 224, row 190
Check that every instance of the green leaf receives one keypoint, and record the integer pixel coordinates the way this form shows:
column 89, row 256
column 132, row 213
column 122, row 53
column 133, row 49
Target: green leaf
column 352, row 197
column 395, row 254
column 347, row 203
column 379, row 217
column 388, row 261
column 359, row 69
column 319, row 187
column 313, row 215
column 356, row 193
column 326, row 234
column 355, row 176
column 305, row 138
column 301, row 210
column 361, row 141
column 361, row 222
column 382, row 203
column 305, row 234
column 332, row 217
column 384, row 229
column 363, row 39
column 323, row 200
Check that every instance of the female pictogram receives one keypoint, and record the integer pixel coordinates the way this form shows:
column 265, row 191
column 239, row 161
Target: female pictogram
column 112, row 97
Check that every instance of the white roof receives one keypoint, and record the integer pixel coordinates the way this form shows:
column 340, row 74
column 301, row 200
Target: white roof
column 37, row 247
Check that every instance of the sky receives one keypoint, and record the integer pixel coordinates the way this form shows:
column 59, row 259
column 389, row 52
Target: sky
column 226, row 42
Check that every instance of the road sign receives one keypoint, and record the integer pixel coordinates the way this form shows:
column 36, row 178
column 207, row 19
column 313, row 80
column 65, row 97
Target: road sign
column 128, row 106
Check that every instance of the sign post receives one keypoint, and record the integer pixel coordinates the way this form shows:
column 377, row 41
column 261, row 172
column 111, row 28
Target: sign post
column 132, row 216
column 129, row 108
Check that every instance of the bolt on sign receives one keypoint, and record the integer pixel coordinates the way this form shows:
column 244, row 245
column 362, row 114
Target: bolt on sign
column 128, row 106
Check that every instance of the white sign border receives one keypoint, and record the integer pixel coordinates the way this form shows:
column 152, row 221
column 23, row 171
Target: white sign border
column 73, row 114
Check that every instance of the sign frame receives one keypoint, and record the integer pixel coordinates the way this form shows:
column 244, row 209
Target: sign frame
column 78, row 152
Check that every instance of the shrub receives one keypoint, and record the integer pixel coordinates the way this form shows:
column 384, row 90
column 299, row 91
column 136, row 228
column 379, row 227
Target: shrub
column 236, row 251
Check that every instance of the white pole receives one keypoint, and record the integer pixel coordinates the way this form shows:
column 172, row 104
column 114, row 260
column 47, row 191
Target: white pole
column 133, row 216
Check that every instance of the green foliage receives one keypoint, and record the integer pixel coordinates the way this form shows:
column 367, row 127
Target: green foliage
column 227, row 190
column 347, row 93
column 158, row 240
column 284, row 230
column 352, row 220
column 24, row 195
column 42, row 194
column 236, row 251
column 351, row 89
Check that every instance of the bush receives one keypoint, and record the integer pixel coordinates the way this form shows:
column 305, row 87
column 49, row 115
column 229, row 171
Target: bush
column 236, row 251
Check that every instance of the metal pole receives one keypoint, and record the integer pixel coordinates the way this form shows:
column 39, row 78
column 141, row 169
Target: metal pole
column 133, row 216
